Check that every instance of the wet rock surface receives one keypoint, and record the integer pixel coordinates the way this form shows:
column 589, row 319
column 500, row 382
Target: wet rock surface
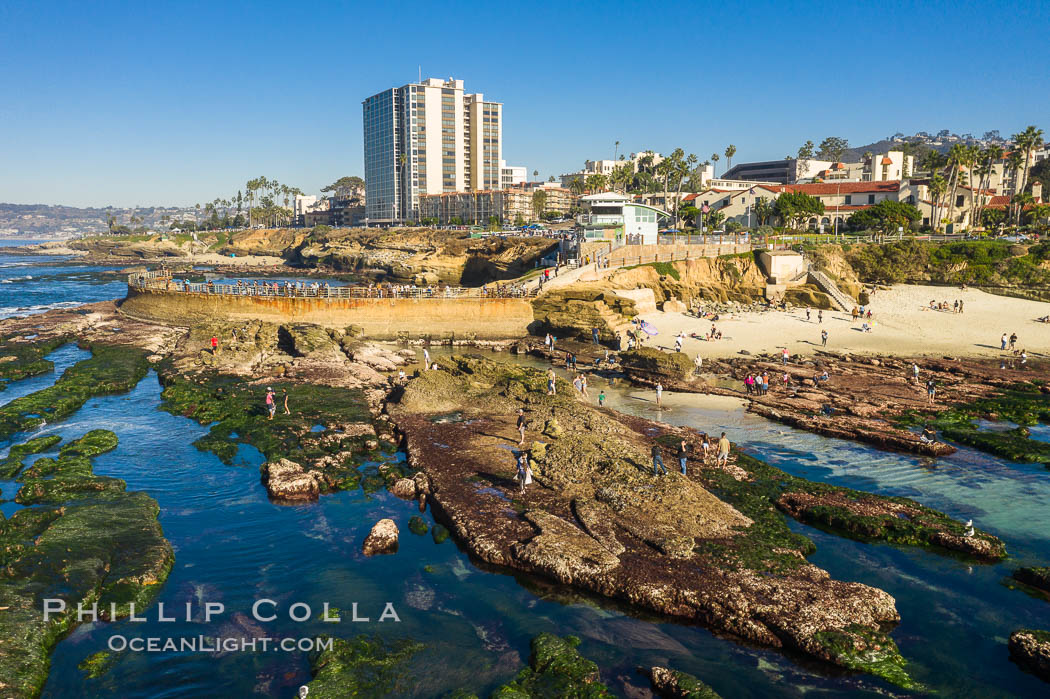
column 674, row 684
column 382, row 539
column 707, row 547
column 1030, row 649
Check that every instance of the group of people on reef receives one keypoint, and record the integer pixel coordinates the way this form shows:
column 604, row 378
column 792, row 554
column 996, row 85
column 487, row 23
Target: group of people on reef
column 707, row 445
column 271, row 402
column 1018, row 358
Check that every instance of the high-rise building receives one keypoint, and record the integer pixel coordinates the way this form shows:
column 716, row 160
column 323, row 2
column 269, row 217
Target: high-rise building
column 427, row 138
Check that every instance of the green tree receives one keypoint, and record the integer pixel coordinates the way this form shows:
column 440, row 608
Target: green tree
column 886, row 216
column 1028, row 140
column 805, row 154
column 764, row 210
column 576, row 186
column 539, row 203
column 937, row 189
column 833, row 148
column 795, row 208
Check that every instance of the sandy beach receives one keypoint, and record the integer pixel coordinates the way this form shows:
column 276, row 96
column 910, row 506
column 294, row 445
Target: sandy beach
column 904, row 325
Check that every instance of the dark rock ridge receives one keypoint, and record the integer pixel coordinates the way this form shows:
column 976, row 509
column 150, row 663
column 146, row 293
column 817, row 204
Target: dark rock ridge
column 673, row 684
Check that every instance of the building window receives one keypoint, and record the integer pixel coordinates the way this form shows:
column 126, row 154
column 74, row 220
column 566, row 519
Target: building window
column 849, row 199
column 871, row 198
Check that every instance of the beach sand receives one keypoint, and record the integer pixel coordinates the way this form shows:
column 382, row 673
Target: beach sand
column 905, row 326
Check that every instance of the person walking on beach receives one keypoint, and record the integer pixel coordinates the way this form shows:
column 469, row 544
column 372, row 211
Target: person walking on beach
column 1002, row 342
column 820, row 315
column 521, row 425
column 723, row 451
column 1013, row 340
column 271, row 404
column 658, row 461
column 785, row 355
column 682, row 456
column 931, row 390
column 807, row 315
column 823, row 338
column 659, row 393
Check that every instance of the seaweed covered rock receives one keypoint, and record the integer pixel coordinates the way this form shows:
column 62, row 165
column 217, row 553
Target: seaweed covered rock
column 674, row 684
column 21, row 359
column 110, row 369
column 10, row 466
column 71, row 475
column 1038, row 578
column 649, row 366
column 556, row 669
column 1030, row 648
column 361, row 667
column 382, row 539
column 865, row 650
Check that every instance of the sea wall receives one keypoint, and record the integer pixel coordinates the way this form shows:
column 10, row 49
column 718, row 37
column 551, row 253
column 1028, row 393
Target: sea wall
column 378, row 318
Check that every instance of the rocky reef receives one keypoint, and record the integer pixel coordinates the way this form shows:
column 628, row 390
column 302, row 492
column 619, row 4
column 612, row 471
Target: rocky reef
column 21, row 358
column 1030, row 649
column 361, row 667
column 556, row 669
column 87, row 541
column 673, row 684
column 712, row 547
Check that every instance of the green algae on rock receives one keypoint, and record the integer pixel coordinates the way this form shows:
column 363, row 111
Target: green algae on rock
column 674, row 684
column 90, row 543
column 361, row 666
column 239, row 413
column 865, row 650
column 21, row 359
column 97, row 664
column 1023, row 405
column 110, row 369
column 556, row 669
column 417, row 525
column 10, row 467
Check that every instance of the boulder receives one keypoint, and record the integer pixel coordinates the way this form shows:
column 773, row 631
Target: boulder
column 679, row 685
column 286, row 480
column 382, row 538
column 1030, row 649
column 674, row 306
column 404, row 488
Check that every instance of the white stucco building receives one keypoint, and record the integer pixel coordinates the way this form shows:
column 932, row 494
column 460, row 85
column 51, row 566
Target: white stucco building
column 627, row 220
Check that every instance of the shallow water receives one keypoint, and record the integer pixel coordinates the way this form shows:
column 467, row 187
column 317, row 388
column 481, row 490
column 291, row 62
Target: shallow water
column 233, row 546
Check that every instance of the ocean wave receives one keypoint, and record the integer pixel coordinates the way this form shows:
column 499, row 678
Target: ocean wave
column 16, row 279
column 23, row 311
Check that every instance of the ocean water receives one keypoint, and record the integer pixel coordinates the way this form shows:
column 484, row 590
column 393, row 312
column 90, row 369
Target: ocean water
column 234, row 547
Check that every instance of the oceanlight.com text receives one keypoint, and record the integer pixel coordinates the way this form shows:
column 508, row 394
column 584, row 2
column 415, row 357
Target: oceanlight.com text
column 217, row 644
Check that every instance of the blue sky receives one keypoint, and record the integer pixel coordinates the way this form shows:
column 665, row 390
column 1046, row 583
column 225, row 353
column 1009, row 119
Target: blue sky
column 140, row 103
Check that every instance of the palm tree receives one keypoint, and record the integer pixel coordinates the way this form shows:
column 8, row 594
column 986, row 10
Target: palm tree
column 683, row 167
column 576, row 186
column 730, row 152
column 1028, row 140
column 616, row 150
column 1021, row 200
column 714, row 159
column 535, row 173
column 937, row 188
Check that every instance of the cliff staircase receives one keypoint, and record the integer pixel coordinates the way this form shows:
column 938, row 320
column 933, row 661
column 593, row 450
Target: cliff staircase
column 838, row 298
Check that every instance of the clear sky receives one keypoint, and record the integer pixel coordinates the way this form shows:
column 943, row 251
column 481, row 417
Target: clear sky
column 146, row 103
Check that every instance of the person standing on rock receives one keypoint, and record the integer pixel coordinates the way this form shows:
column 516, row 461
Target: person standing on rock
column 271, row 404
column 698, row 363
column 682, row 456
column 214, row 345
column 426, row 359
column 723, row 451
column 785, row 356
column 521, row 425
column 594, row 336
column 659, row 394
column 823, row 338
column 658, row 461
column 931, row 390
column 286, row 410
column 915, row 372
column 550, row 382
column 601, row 398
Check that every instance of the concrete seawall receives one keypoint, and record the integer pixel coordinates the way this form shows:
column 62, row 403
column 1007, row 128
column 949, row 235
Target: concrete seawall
column 378, row 318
